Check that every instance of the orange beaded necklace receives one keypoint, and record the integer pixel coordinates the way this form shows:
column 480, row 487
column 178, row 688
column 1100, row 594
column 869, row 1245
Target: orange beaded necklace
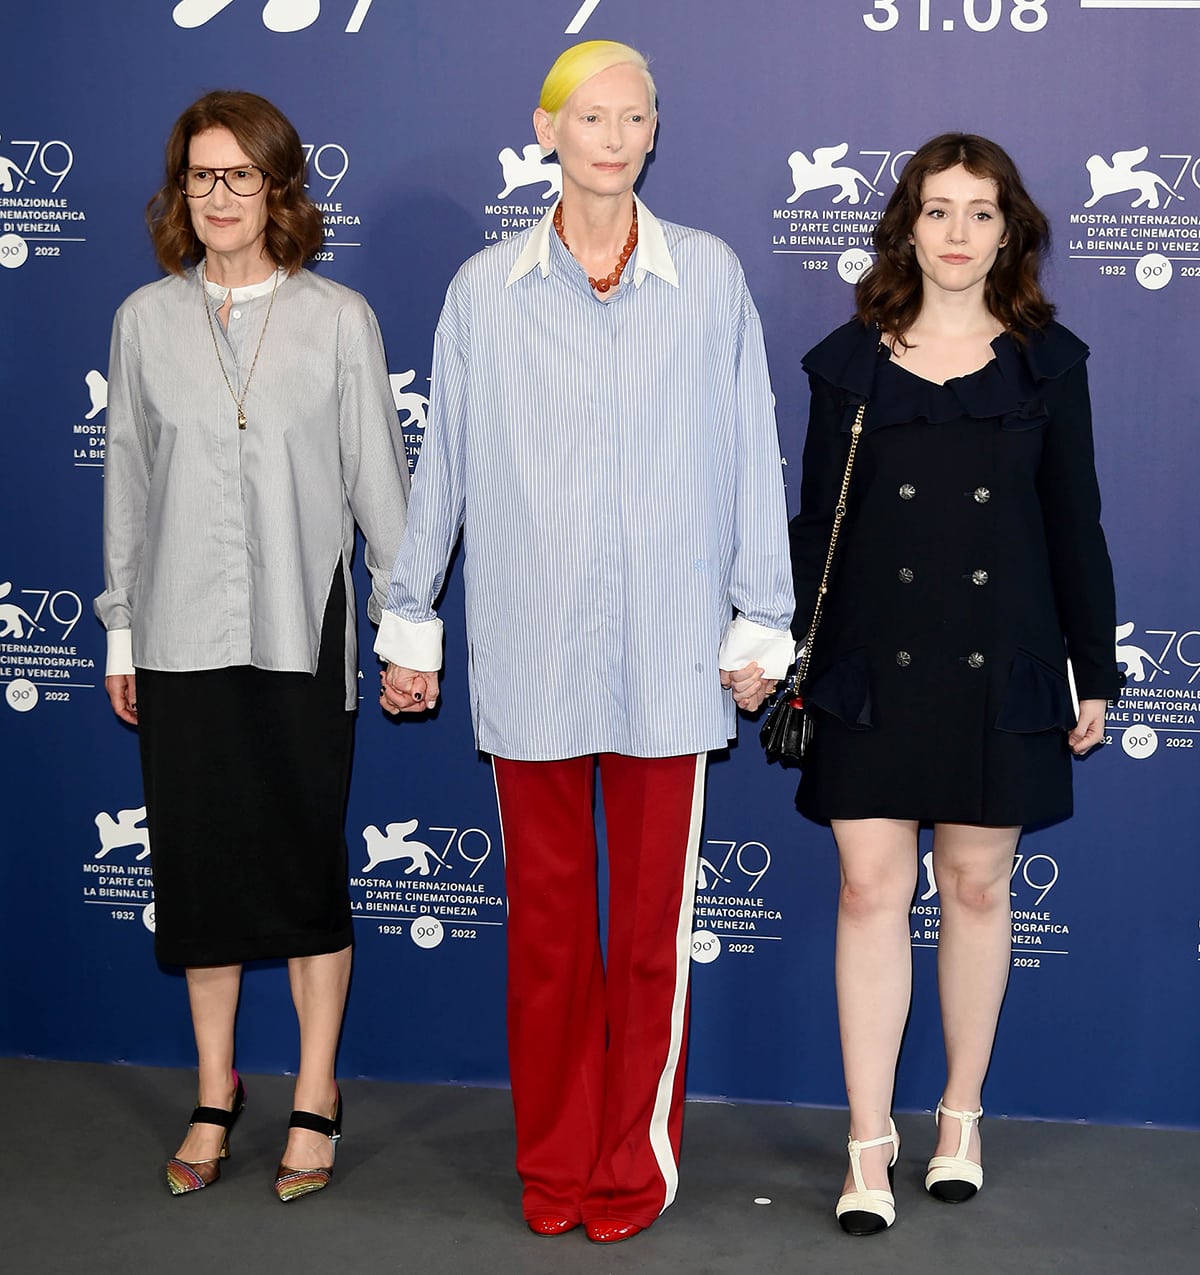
column 611, row 279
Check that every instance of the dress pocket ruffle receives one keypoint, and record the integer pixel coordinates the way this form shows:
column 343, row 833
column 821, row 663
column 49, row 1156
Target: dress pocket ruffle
column 844, row 690
column 1037, row 698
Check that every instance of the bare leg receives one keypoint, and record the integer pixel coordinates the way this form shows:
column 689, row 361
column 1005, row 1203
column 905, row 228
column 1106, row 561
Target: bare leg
column 874, row 972
column 319, row 985
column 973, row 866
column 213, row 996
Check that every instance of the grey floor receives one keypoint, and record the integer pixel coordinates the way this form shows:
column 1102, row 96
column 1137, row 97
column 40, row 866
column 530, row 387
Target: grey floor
column 424, row 1184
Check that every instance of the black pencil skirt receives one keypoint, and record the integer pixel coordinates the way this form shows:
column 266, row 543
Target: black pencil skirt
column 246, row 773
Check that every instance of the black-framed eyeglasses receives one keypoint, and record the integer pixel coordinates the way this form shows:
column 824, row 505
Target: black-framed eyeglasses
column 196, row 183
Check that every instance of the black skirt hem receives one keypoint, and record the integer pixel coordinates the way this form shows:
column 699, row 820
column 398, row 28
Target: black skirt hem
column 972, row 818
column 266, row 947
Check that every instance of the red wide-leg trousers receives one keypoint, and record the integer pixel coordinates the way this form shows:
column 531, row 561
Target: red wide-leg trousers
column 596, row 1052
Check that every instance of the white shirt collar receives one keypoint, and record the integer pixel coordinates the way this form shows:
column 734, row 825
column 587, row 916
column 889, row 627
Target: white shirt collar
column 218, row 291
column 653, row 256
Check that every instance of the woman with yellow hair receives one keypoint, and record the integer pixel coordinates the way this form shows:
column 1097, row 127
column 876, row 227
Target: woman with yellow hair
column 601, row 431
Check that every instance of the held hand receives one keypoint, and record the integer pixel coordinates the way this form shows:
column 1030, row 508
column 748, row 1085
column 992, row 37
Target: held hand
column 122, row 695
column 1089, row 729
column 406, row 690
column 748, row 685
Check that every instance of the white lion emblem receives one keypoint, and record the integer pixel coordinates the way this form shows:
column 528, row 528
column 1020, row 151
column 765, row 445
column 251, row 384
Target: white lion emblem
column 527, row 169
column 383, row 847
column 1135, row 658
column 409, row 403
column 1122, row 175
column 97, row 388
column 124, row 830
column 822, row 171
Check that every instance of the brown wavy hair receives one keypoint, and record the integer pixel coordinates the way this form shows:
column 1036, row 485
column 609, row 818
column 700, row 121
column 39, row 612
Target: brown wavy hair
column 890, row 293
column 294, row 231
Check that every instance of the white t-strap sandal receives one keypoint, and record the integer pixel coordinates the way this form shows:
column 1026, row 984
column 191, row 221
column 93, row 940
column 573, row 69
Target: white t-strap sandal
column 953, row 1179
column 863, row 1211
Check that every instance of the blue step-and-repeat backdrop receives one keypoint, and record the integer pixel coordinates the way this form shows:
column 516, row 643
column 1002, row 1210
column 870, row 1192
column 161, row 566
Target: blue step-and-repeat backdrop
column 783, row 128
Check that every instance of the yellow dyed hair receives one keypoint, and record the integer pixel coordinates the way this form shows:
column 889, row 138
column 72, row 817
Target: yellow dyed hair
column 580, row 62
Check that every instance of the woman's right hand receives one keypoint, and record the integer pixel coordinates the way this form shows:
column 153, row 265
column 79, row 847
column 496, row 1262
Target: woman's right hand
column 406, row 690
column 122, row 695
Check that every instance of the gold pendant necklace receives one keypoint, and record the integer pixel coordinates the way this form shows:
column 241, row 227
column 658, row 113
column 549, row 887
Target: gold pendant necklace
column 212, row 331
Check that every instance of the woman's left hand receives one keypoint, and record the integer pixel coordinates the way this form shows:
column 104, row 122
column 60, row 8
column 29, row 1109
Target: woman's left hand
column 122, row 695
column 748, row 685
column 1089, row 729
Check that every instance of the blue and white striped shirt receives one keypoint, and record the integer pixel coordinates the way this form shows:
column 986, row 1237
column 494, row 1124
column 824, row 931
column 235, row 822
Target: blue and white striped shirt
column 615, row 470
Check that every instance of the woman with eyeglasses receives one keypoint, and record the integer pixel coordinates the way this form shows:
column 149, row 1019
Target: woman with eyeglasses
column 250, row 427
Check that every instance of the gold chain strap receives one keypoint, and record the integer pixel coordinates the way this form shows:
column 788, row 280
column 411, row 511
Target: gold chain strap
column 838, row 515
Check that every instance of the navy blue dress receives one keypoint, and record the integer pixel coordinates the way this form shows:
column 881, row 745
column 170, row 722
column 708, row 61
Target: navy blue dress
column 971, row 564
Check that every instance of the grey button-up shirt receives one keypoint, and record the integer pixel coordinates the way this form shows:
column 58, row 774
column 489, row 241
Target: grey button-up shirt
column 220, row 544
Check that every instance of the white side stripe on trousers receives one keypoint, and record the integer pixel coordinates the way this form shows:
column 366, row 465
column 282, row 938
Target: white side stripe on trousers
column 660, row 1140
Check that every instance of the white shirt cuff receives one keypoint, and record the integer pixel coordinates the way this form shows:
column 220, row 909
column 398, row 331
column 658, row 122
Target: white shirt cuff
column 413, row 645
column 746, row 641
column 119, row 660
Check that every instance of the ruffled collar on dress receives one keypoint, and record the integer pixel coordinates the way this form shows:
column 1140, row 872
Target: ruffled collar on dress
column 1010, row 387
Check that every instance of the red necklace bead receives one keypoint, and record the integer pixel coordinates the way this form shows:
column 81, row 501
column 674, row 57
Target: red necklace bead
column 613, row 277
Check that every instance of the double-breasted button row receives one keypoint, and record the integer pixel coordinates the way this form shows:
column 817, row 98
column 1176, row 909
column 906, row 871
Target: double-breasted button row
column 981, row 495
column 976, row 659
column 906, row 575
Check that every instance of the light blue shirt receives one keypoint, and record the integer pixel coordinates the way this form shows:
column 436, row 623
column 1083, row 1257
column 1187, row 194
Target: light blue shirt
column 614, row 468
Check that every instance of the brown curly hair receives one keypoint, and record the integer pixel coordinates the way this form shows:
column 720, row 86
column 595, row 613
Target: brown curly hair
column 890, row 293
column 294, row 231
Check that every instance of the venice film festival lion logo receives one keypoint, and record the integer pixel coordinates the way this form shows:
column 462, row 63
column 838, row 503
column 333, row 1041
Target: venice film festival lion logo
column 1136, row 659
column 97, row 388
column 1122, row 175
column 124, row 832
column 15, row 621
column 411, row 405
column 528, row 169
column 12, row 175
column 823, row 172
column 393, row 845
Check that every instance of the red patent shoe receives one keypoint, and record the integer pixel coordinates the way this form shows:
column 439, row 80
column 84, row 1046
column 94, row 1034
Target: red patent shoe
column 550, row 1224
column 606, row 1231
